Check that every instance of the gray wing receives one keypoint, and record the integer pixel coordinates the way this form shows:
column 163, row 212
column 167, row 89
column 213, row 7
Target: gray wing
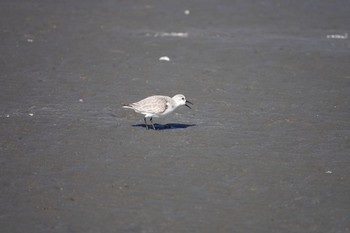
column 154, row 104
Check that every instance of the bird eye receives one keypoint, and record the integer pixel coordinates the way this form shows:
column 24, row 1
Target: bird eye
column 183, row 98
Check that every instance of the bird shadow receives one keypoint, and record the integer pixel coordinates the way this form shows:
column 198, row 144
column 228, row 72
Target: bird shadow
column 166, row 126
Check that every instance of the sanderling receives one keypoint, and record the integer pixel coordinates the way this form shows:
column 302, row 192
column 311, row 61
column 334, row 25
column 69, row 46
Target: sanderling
column 157, row 106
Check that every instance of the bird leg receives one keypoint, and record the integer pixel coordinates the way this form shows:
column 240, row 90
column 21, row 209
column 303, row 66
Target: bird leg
column 154, row 128
column 145, row 122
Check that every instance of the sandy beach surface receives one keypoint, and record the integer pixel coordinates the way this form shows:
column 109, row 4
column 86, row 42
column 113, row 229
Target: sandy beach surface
column 265, row 147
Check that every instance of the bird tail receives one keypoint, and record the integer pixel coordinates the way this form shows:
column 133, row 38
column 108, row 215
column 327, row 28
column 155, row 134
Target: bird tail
column 126, row 106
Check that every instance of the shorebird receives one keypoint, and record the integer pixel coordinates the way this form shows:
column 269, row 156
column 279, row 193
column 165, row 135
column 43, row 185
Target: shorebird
column 157, row 106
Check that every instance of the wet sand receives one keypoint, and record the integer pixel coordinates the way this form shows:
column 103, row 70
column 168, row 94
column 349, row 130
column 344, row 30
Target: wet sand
column 265, row 147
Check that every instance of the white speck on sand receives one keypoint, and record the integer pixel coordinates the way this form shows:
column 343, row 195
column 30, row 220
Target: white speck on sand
column 171, row 34
column 164, row 58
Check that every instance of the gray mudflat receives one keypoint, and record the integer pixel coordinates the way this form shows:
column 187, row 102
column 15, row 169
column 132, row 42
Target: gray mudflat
column 265, row 148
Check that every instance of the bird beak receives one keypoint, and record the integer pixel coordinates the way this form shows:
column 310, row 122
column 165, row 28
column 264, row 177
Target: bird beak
column 188, row 102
